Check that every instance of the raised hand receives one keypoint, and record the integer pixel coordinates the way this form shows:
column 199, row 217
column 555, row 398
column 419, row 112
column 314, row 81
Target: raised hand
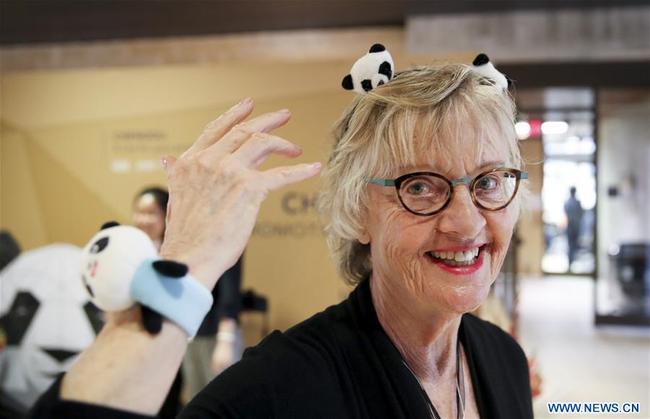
column 216, row 189
column 215, row 195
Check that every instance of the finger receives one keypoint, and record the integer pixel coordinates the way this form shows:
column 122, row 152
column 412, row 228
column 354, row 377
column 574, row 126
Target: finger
column 256, row 150
column 285, row 175
column 219, row 127
column 243, row 131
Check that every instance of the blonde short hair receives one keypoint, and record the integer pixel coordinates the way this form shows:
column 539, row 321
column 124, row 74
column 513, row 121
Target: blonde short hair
column 422, row 111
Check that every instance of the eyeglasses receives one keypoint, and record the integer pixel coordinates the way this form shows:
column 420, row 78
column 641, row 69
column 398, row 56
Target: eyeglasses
column 427, row 193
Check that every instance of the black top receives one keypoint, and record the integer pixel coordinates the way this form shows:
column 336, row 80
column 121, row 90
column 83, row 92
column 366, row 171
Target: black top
column 341, row 364
column 226, row 301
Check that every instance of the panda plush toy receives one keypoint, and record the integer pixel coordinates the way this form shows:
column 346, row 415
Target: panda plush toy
column 109, row 264
column 372, row 70
column 110, row 260
column 485, row 68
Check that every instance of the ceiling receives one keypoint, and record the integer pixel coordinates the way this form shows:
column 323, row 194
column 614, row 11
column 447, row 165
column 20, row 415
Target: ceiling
column 57, row 21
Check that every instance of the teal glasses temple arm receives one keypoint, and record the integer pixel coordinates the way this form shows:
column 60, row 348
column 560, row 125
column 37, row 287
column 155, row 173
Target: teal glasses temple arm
column 382, row 182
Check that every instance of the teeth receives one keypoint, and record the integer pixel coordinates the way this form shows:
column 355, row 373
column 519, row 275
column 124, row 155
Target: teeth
column 465, row 256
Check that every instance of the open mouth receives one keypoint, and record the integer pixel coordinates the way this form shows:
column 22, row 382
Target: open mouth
column 461, row 259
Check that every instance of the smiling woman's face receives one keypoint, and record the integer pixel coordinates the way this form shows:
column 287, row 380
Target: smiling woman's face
column 412, row 255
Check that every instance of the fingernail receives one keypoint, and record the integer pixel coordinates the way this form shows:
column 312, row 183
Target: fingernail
column 243, row 102
column 284, row 111
column 316, row 165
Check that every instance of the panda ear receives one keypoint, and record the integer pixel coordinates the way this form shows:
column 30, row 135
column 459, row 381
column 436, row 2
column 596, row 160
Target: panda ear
column 170, row 268
column 347, row 82
column 377, row 48
column 109, row 224
column 481, row 59
column 386, row 70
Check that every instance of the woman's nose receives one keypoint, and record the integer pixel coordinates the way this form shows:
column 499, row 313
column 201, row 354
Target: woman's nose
column 462, row 218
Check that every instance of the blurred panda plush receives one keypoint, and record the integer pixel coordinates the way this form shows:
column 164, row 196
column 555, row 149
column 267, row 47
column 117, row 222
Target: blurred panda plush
column 109, row 263
column 372, row 70
column 485, row 68
column 110, row 260
column 47, row 318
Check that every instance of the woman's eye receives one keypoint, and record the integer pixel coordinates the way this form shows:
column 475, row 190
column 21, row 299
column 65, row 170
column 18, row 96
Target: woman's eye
column 418, row 188
column 487, row 183
column 424, row 188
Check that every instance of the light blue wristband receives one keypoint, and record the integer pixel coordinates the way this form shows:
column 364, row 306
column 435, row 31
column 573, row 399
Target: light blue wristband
column 184, row 300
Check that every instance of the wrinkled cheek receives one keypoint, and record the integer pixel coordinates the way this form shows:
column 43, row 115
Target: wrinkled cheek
column 393, row 256
column 406, row 269
column 416, row 280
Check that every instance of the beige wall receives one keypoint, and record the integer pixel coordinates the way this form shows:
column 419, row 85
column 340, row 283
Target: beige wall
column 63, row 131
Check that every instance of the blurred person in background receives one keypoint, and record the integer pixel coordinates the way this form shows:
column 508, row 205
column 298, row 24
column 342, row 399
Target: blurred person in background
column 218, row 343
column 574, row 212
column 149, row 213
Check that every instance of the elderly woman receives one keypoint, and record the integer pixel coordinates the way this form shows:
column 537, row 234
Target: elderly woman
column 421, row 194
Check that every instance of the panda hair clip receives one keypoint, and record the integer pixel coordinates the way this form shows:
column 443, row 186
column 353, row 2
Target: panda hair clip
column 372, row 70
column 120, row 268
column 376, row 67
column 485, row 68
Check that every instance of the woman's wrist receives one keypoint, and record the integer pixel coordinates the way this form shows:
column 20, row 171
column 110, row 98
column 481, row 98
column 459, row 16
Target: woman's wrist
column 130, row 317
column 203, row 270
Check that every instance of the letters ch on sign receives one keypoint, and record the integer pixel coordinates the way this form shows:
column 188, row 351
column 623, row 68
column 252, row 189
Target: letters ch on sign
column 299, row 203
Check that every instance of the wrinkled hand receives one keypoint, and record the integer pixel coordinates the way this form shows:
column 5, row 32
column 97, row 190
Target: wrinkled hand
column 215, row 191
column 224, row 355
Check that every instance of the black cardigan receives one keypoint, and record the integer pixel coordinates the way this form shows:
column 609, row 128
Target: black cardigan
column 341, row 364
column 226, row 297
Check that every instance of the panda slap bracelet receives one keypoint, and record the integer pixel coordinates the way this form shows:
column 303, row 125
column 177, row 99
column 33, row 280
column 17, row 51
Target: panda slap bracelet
column 120, row 268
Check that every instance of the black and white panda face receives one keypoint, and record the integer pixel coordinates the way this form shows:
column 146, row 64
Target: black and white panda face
column 372, row 70
column 91, row 268
column 109, row 262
